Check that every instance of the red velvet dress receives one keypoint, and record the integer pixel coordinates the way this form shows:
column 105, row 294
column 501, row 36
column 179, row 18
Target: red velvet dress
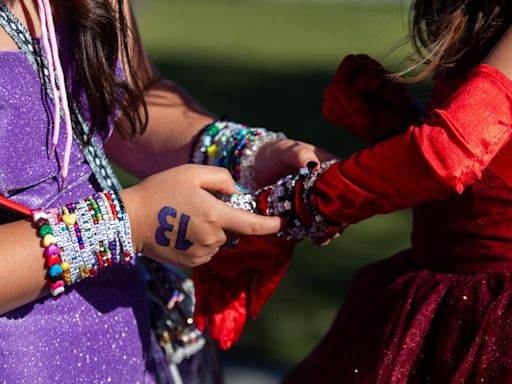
column 442, row 311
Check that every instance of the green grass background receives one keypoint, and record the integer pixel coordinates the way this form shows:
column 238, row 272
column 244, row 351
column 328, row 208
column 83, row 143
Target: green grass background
column 266, row 63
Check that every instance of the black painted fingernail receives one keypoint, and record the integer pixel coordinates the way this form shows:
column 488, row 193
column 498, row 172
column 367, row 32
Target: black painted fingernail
column 312, row 165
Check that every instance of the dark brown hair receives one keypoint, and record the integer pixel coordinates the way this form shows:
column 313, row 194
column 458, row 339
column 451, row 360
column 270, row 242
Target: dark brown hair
column 451, row 36
column 100, row 31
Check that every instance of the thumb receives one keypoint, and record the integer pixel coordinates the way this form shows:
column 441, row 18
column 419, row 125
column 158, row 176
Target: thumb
column 299, row 155
column 217, row 179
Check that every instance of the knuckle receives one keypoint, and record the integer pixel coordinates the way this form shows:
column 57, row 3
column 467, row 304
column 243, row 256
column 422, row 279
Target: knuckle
column 210, row 243
column 195, row 262
column 211, row 219
column 254, row 227
column 225, row 174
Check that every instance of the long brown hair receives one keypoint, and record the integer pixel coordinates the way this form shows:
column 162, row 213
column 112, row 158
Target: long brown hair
column 451, row 36
column 100, row 31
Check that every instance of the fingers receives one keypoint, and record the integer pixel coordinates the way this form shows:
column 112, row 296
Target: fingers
column 297, row 154
column 301, row 155
column 244, row 223
column 216, row 179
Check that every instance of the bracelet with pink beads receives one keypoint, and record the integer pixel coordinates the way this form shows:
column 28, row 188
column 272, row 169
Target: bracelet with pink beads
column 81, row 238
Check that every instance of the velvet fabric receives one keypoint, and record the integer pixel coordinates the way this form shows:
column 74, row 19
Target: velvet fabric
column 442, row 311
column 364, row 99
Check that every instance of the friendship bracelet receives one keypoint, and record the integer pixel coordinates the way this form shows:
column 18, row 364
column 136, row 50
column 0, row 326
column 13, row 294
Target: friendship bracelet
column 280, row 203
column 51, row 251
column 321, row 227
column 81, row 238
column 232, row 146
column 281, row 198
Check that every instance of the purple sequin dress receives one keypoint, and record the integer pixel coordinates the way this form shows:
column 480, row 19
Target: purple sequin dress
column 99, row 331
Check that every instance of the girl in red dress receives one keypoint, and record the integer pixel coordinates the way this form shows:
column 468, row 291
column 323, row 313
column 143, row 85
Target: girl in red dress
column 442, row 311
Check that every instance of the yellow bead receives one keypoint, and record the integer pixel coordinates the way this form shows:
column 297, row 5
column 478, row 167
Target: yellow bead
column 211, row 150
column 69, row 219
column 48, row 240
column 84, row 272
column 64, row 266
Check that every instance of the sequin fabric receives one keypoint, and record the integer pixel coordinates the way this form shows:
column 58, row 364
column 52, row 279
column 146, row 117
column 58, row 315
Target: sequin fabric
column 97, row 332
column 442, row 311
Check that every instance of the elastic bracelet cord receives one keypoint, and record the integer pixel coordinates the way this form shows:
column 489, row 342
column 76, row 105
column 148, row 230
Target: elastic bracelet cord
column 81, row 238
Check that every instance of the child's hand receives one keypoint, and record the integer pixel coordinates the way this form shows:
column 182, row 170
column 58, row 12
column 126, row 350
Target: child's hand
column 280, row 158
column 176, row 220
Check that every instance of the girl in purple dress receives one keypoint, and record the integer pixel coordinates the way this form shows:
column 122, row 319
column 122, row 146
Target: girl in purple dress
column 88, row 77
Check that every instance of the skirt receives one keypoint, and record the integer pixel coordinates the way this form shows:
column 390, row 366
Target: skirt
column 404, row 324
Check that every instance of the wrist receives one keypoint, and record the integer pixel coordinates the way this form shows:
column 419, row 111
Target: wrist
column 131, row 205
column 232, row 146
column 82, row 238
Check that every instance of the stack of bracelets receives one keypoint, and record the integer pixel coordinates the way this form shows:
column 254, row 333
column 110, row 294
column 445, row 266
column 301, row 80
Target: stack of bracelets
column 280, row 199
column 79, row 239
column 232, row 146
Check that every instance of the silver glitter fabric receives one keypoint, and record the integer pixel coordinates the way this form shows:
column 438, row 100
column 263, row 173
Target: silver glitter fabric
column 97, row 332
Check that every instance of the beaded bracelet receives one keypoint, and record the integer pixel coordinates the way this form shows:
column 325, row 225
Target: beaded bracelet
column 83, row 237
column 280, row 203
column 232, row 146
column 51, row 252
column 281, row 198
column 321, row 227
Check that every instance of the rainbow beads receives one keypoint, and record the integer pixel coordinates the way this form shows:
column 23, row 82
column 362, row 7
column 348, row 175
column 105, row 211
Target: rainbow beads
column 51, row 251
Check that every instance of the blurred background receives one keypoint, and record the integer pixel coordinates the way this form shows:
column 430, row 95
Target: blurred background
column 266, row 63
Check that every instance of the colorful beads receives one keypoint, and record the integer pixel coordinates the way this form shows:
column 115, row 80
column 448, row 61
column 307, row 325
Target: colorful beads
column 52, row 260
column 51, row 251
column 44, row 230
column 81, row 238
column 48, row 240
column 232, row 146
column 56, row 288
column 55, row 270
column 280, row 202
column 69, row 219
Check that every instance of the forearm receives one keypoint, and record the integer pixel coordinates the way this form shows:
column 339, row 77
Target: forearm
column 75, row 241
column 443, row 156
column 500, row 56
column 23, row 272
column 174, row 118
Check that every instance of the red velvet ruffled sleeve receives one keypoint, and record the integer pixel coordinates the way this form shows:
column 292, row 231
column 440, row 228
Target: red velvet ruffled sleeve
column 443, row 155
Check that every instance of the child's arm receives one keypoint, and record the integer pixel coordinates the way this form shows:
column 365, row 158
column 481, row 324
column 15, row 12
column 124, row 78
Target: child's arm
column 501, row 55
column 174, row 219
column 23, row 273
column 442, row 156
